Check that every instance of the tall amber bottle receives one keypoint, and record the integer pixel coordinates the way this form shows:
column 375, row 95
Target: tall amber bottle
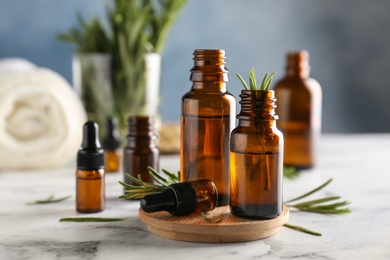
column 299, row 109
column 141, row 150
column 207, row 118
column 90, row 172
column 256, row 158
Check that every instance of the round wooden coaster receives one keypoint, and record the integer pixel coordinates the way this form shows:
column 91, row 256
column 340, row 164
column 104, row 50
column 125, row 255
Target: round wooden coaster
column 194, row 228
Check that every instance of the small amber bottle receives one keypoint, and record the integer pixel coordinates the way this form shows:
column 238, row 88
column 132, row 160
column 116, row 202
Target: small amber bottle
column 90, row 172
column 299, row 109
column 207, row 118
column 141, row 150
column 111, row 144
column 183, row 198
column 256, row 158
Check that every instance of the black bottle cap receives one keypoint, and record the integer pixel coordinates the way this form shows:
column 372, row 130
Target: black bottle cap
column 90, row 156
column 112, row 139
column 178, row 199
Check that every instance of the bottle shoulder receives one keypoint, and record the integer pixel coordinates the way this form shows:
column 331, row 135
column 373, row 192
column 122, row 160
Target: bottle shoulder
column 298, row 86
column 204, row 102
column 255, row 140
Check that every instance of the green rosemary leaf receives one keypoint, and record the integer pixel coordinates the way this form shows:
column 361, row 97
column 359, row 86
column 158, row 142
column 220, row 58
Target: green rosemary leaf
column 311, row 192
column 268, row 81
column 334, row 205
column 317, row 201
column 173, row 178
column 302, row 229
column 133, row 179
column 263, row 81
column 50, row 199
column 91, row 219
column 252, row 79
column 211, row 220
column 128, row 185
column 290, row 172
column 143, row 188
column 158, row 178
column 242, row 81
column 325, row 211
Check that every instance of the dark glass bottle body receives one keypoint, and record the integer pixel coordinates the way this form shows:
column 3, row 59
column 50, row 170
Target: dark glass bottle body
column 141, row 149
column 207, row 118
column 256, row 158
column 299, row 109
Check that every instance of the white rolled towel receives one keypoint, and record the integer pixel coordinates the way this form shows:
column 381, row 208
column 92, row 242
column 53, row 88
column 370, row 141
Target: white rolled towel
column 41, row 118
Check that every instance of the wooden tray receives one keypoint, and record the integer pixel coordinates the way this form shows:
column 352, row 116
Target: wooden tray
column 194, row 228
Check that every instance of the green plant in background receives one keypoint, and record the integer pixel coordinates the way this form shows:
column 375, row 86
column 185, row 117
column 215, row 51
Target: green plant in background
column 89, row 37
column 134, row 29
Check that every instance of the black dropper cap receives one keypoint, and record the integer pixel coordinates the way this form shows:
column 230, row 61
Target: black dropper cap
column 90, row 156
column 112, row 139
column 178, row 199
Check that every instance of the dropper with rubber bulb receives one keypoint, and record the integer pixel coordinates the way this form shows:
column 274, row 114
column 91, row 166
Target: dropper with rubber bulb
column 184, row 198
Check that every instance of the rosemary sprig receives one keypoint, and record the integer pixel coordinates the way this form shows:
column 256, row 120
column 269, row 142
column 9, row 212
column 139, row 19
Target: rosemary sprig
column 91, row 219
column 265, row 84
column 50, row 199
column 302, row 229
column 144, row 188
column 213, row 219
column 317, row 205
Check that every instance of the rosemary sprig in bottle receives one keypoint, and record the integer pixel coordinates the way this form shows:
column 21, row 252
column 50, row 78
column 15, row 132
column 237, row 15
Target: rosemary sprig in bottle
column 265, row 84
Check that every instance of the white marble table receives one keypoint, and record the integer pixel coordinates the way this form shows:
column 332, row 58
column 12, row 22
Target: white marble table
column 359, row 165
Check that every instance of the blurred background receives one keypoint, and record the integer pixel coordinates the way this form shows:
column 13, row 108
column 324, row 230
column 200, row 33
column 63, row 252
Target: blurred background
column 348, row 42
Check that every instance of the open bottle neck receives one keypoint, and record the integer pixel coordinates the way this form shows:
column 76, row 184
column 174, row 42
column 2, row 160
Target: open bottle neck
column 297, row 64
column 257, row 106
column 209, row 70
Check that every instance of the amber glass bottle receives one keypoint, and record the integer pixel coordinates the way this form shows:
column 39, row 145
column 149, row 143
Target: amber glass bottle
column 90, row 172
column 183, row 198
column 256, row 158
column 208, row 116
column 299, row 109
column 141, row 150
column 111, row 144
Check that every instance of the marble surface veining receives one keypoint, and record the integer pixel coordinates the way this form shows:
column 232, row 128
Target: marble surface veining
column 357, row 163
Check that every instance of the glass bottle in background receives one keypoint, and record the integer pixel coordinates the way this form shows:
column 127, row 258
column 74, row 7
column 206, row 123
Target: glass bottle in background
column 256, row 158
column 141, row 150
column 207, row 118
column 299, row 109
column 111, row 144
column 90, row 172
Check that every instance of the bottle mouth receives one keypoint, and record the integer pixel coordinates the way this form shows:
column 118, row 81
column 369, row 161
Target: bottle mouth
column 257, row 95
column 209, row 66
column 140, row 126
column 258, row 105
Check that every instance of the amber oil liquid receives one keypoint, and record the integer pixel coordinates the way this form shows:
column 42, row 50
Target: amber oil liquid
column 90, row 191
column 206, row 140
column 254, row 185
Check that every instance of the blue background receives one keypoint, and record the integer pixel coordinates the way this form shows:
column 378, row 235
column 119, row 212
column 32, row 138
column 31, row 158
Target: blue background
column 349, row 44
